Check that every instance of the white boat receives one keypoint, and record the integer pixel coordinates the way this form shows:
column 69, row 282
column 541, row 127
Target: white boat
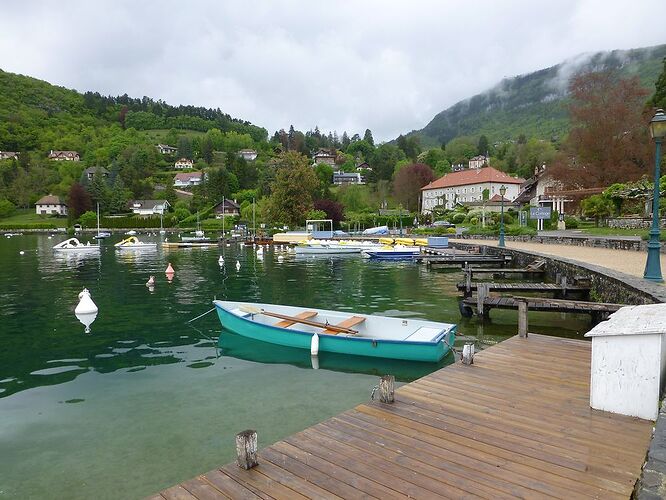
column 324, row 249
column 74, row 245
column 199, row 236
column 397, row 252
column 101, row 235
column 132, row 232
column 133, row 243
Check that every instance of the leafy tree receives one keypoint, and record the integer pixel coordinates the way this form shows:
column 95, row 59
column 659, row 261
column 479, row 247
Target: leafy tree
column 292, row 191
column 333, row 210
column 460, row 150
column 367, row 137
column 408, row 183
column 384, row 160
column 121, row 195
column 245, row 195
column 363, row 148
column 79, row 200
column 354, row 198
column 411, row 145
column 99, row 192
column 207, row 150
column 219, row 182
column 596, row 206
column 658, row 100
column 324, row 174
column 88, row 219
column 7, row 208
column 315, row 214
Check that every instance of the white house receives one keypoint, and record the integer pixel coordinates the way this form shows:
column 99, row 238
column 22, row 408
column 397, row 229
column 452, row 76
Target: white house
column 183, row 164
column 344, row 178
column 64, row 155
column 248, row 154
column 149, row 207
column 188, row 179
column 50, row 205
column 8, row 155
column 467, row 185
column 165, row 149
column 478, row 162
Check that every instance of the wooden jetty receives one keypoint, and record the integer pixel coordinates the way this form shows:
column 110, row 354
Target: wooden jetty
column 469, row 287
column 450, row 256
column 515, row 423
column 483, row 303
column 503, row 271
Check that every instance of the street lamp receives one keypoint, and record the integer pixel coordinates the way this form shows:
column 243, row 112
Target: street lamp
column 653, row 264
column 502, row 191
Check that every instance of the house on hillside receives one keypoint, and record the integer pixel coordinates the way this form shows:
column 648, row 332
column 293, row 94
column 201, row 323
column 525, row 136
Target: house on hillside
column 362, row 166
column 248, row 154
column 149, row 207
column 188, row 179
column 183, row 164
column 9, row 155
column 64, row 155
column 165, row 149
column 458, row 167
column 90, row 173
column 466, row 186
column 325, row 156
column 478, row 162
column 346, row 178
column 50, row 205
column 228, row 208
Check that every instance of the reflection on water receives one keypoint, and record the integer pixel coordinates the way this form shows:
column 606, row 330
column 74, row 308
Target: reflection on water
column 146, row 399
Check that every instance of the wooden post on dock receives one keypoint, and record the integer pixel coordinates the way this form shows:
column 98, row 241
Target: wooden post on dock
column 468, row 354
column 246, row 449
column 481, row 293
column 387, row 389
column 522, row 318
column 564, row 287
column 468, row 281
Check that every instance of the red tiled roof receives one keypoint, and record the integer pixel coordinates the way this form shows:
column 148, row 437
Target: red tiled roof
column 474, row 176
column 497, row 198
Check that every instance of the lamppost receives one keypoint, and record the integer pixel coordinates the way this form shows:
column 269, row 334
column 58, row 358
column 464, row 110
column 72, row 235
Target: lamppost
column 653, row 264
column 502, row 191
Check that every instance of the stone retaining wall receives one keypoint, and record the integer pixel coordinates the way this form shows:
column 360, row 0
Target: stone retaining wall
column 633, row 222
column 581, row 241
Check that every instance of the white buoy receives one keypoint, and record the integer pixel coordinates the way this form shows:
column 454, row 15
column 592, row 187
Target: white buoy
column 220, row 261
column 21, row 252
column 280, row 258
column 228, row 244
column 237, row 265
column 314, row 345
column 86, row 304
column 150, row 282
column 260, row 250
column 315, row 362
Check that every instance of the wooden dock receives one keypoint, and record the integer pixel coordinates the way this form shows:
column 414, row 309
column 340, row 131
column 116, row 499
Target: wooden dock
column 597, row 309
column 525, row 287
column 503, row 271
column 462, row 259
column 516, row 423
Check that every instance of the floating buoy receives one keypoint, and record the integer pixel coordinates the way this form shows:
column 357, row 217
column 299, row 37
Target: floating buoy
column 280, row 258
column 228, row 244
column 220, row 261
column 237, row 265
column 150, row 282
column 315, row 362
column 314, row 345
column 21, row 252
column 169, row 269
column 86, row 304
column 260, row 251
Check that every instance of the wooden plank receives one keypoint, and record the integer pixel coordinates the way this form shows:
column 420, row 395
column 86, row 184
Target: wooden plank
column 288, row 322
column 203, row 490
column 348, row 323
column 229, row 487
column 177, row 493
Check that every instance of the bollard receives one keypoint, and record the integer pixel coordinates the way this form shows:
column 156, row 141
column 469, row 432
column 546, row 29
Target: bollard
column 564, row 286
column 387, row 389
column 522, row 318
column 481, row 293
column 468, row 354
column 246, row 449
column 468, row 281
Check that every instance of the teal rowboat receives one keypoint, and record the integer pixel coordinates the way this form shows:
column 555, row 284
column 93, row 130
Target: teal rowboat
column 320, row 330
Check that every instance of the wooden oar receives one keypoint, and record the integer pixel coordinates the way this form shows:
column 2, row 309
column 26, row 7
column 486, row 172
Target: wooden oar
column 325, row 326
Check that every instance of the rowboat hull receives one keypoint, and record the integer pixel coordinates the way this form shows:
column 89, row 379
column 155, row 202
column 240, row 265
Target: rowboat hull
column 390, row 255
column 300, row 336
column 325, row 250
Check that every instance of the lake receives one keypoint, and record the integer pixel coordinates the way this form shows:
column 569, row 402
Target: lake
column 146, row 399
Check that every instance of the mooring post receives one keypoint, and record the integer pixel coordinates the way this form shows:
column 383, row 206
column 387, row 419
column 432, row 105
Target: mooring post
column 481, row 292
column 387, row 389
column 522, row 318
column 468, row 281
column 246, row 449
column 564, row 286
column 558, row 278
column 468, row 354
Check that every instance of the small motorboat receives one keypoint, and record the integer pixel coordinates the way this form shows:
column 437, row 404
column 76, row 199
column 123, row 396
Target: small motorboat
column 331, row 331
column 102, row 235
column 133, row 243
column 74, row 245
column 397, row 252
column 131, row 232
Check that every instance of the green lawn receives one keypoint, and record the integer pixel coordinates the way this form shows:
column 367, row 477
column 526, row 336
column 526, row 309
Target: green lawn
column 26, row 218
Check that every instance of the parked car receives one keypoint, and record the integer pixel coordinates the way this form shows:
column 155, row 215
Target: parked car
column 442, row 223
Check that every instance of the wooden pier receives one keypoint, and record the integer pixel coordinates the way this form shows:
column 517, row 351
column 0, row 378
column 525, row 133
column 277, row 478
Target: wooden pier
column 516, row 423
column 502, row 271
column 469, row 287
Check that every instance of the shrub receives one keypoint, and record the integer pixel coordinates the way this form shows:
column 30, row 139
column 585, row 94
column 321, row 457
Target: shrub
column 458, row 218
column 7, row 208
column 571, row 222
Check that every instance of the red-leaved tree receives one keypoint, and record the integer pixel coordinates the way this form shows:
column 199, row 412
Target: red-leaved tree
column 79, row 200
column 333, row 209
column 408, row 183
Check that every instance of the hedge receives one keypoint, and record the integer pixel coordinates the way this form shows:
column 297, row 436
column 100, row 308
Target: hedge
column 130, row 222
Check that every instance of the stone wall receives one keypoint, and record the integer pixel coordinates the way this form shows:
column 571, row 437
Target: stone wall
column 633, row 222
column 581, row 241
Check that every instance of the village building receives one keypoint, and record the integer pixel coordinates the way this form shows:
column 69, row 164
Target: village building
column 184, row 164
column 458, row 167
column 360, row 167
column 9, row 155
column 478, row 162
column 188, row 179
column 50, row 205
column 90, row 172
column 149, row 207
column 467, row 186
column 63, row 155
column 226, row 208
column 346, row 178
column 248, row 154
column 494, row 204
column 326, row 156
column 165, row 149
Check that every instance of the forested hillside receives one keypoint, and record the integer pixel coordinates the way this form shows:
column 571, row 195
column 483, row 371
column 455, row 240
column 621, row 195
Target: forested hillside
column 534, row 105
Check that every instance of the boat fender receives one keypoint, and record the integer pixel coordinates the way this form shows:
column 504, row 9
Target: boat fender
column 314, row 345
column 280, row 258
column 220, row 261
column 238, row 266
column 86, row 304
column 151, row 281
column 465, row 310
column 169, row 269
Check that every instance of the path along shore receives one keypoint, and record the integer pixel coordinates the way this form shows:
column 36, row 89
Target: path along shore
column 625, row 261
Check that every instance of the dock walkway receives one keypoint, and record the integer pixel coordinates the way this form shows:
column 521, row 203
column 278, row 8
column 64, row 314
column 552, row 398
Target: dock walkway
column 517, row 423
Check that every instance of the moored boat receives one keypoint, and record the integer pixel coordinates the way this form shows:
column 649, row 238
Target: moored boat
column 133, row 243
column 339, row 332
column 398, row 252
column 74, row 245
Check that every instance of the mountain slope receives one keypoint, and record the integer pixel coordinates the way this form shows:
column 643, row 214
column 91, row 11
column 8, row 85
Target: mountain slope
column 535, row 104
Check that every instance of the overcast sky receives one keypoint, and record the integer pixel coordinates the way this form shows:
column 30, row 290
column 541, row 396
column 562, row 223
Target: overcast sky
column 343, row 65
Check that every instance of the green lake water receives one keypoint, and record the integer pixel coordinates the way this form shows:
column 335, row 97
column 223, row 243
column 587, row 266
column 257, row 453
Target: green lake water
column 145, row 400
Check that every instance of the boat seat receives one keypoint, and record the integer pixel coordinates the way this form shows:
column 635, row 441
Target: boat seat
column 348, row 323
column 424, row 334
column 304, row 315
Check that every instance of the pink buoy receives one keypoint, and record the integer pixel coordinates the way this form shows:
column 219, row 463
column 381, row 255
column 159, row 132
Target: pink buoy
column 169, row 269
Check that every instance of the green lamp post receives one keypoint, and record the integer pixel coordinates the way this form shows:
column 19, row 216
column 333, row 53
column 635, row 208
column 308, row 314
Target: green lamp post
column 653, row 264
column 502, row 191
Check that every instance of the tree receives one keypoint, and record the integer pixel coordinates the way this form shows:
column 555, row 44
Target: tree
column 384, row 160
column 658, row 100
column 184, row 147
column 411, row 145
column 78, row 201
column 482, row 147
column 609, row 140
column 99, row 191
column 219, row 182
column 324, row 174
column 408, row 183
column 597, row 206
column 333, row 210
column 367, row 137
column 207, row 150
column 362, row 148
column 294, row 185
column 120, row 196
column 7, row 208
column 88, row 219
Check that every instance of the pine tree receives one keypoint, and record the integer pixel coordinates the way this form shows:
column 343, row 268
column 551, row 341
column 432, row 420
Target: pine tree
column 368, row 137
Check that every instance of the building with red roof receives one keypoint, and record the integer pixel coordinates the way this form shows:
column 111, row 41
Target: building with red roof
column 466, row 186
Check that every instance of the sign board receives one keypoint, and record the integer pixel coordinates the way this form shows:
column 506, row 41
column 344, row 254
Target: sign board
column 523, row 218
column 540, row 213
